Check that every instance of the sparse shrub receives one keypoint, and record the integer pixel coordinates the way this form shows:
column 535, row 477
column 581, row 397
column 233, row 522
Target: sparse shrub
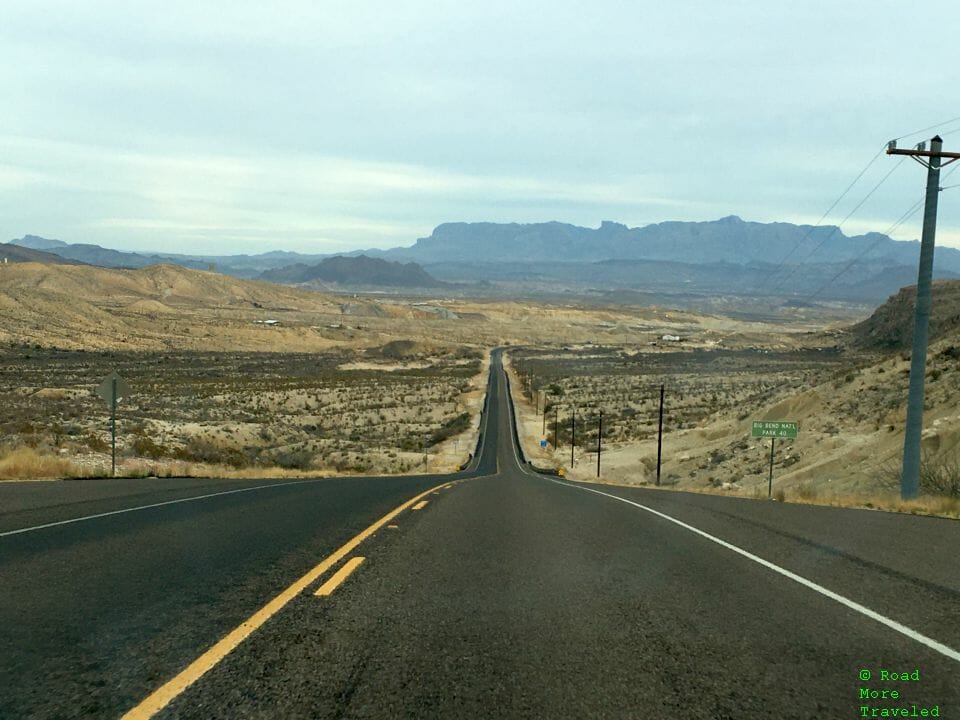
column 718, row 456
column 300, row 459
column 96, row 443
column 147, row 447
column 941, row 475
column 205, row 451
column 454, row 426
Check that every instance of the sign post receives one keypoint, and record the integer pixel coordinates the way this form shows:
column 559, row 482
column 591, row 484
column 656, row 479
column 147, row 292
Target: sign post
column 660, row 435
column 773, row 443
column 773, row 429
column 112, row 389
column 599, row 440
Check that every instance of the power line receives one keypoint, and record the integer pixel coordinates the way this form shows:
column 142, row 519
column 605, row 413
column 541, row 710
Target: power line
column 768, row 278
column 952, row 131
column 837, row 227
column 903, row 218
column 928, row 129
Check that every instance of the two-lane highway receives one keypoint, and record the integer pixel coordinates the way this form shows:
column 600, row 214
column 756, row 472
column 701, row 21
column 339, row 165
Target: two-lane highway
column 501, row 593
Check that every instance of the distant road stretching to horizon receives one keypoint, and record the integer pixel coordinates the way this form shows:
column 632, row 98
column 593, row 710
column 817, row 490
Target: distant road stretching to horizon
column 496, row 592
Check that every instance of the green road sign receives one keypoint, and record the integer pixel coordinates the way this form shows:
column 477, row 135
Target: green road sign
column 774, row 429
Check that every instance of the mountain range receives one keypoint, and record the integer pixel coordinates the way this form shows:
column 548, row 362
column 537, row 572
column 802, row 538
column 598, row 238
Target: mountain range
column 729, row 256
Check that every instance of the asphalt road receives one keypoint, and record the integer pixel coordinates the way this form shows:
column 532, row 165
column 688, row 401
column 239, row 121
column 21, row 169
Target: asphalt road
column 506, row 595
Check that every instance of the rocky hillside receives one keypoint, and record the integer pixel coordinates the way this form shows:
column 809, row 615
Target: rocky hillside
column 160, row 307
column 890, row 327
column 16, row 254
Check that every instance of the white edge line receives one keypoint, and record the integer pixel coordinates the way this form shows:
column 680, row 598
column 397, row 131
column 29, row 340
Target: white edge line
column 183, row 500
column 152, row 505
column 882, row 619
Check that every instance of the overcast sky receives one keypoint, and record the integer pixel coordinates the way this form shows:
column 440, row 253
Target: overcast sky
column 315, row 126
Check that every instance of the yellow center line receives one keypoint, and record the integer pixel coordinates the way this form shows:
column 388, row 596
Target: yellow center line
column 421, row 505
column 339, row 576
column 166, row 693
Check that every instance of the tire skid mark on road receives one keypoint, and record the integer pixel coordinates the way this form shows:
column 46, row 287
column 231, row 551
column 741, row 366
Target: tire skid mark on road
column 855, row 606
column 174, row 687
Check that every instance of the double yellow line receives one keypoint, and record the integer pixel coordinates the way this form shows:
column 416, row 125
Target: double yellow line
column 164, row 695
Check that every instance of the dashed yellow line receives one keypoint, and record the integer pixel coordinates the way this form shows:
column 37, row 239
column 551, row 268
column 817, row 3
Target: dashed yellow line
column 339, row 576
column 421, row 505
column 165, row 694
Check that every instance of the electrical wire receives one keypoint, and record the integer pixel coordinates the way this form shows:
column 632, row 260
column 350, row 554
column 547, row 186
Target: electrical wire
column 887, row 233
column 769, row 277
column 950, row 132
column 928, row 129
column 837, row 227
column 903, row 218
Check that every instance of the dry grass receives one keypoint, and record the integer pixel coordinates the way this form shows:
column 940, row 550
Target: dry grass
column 25, row 463
column 935, row 505
column 932, row 505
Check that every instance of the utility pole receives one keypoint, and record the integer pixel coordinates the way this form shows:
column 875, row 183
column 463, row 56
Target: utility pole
column 556, row 425
column 113, row 427
column 599, row 441
column 573, row 433
column 910, row 472
column 660, row 435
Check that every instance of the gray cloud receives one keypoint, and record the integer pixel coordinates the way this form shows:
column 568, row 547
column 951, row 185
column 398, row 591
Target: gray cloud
column 315, row 126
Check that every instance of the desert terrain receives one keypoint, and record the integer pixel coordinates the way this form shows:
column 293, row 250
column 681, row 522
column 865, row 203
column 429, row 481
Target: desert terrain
column 844, row 385
column 234, row 377
column 230, row 376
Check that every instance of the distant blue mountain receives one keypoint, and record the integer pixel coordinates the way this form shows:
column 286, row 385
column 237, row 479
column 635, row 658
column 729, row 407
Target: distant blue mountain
column 719, row 257
column 728, row 240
